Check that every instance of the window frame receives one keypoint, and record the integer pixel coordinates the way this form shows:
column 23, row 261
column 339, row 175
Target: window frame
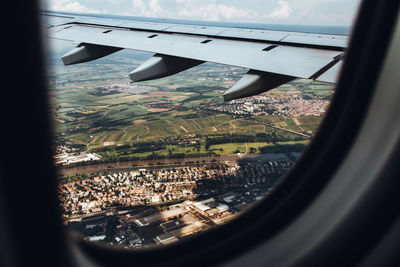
column 371, row 37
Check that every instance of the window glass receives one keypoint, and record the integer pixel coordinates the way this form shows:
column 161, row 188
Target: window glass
column 150, row 163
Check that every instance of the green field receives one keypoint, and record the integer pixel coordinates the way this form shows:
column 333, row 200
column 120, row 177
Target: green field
column 243, row 148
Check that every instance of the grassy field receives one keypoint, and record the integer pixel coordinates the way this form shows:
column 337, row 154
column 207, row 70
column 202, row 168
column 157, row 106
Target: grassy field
column 193, row 151
column 243, row 148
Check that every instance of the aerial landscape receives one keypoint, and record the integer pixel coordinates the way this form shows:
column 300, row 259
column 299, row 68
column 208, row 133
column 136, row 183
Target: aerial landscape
column 151, row 163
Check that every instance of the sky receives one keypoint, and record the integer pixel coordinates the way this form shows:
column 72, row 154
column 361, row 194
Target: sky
column 300, row 12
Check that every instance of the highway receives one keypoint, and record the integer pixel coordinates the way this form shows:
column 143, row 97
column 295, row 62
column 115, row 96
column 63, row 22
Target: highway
column 283, row 129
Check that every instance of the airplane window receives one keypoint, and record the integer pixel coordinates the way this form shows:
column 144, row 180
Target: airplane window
column 153, row 162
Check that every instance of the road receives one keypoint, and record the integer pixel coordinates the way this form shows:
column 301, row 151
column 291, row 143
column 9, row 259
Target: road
column 283, row 129
column 125, row 133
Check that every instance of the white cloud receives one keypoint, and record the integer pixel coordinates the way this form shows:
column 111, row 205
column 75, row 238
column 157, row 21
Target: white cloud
column 283, row 11
column 206, row 12
column 139, row 6
column 220, row 12
column 329, row 12
column 216, row 13
column 229, row 12
column 114, row 2
column 69, row 6
column 153, row 9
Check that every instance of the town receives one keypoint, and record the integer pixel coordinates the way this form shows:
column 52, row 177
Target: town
column 149, row 206
column 264, row 105
column 65, row 155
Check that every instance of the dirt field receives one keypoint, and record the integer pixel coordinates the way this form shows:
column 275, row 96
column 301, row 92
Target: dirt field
column 139, row 122
column 158, row 109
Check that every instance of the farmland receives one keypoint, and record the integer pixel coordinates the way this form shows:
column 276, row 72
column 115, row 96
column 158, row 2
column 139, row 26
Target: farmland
column 95, row 108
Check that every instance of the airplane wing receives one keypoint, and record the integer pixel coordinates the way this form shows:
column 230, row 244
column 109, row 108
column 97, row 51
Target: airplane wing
column 272, row 57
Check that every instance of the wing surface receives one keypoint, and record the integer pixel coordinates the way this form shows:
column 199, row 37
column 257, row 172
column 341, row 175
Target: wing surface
column 272, row 57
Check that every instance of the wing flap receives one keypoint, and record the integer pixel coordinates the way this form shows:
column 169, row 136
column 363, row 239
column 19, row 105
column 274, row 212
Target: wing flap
column 317, row 40
column 331, row 74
